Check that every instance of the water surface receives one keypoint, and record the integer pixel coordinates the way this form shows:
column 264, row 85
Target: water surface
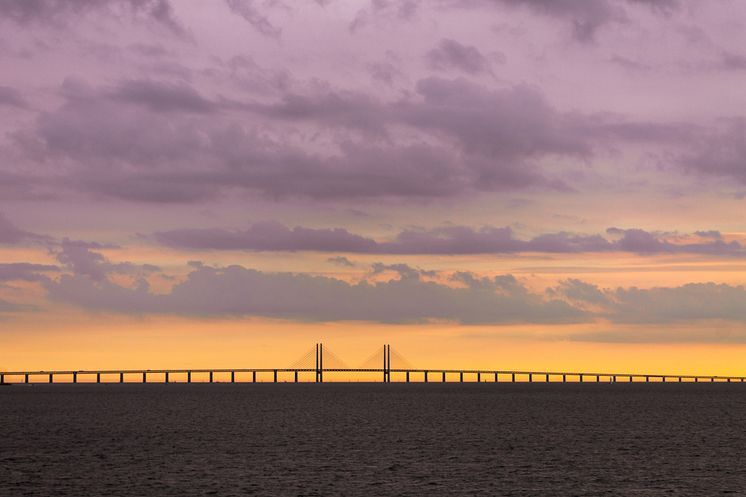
column 373, row 439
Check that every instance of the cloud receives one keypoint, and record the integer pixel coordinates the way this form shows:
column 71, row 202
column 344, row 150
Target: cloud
column 162, row 97
column 252, row 13
column 448, row 240
column 397, row 293
column 450, row 54
column 720, row 152
column 12, row 98
column 584, row 18
column 268, row 236
column 340, row 261
column 660, row 305
column 10, row 234
column 24, row 271
column 64, row 12
column 235, row 291
column 79, row 257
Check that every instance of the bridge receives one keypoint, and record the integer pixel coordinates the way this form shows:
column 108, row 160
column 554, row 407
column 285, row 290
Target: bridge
column 312, row 368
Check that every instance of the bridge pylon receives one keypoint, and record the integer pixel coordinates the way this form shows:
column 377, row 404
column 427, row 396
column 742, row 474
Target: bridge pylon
column 319, row 363
column 387, row 363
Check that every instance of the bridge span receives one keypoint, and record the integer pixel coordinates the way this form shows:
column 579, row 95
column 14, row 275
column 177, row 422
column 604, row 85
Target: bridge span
column 316, row 372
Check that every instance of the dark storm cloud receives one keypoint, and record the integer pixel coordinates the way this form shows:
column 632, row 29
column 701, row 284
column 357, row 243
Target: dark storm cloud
column 449, row 240
column 450, row 54
column 64, row 12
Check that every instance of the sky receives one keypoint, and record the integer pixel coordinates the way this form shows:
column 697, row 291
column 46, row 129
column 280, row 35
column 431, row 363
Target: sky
column 547, row 184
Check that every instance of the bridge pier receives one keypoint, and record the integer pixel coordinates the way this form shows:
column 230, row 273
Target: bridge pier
column 275, row 376
column 51, row 378
column 512, row 377
column 98, row 377
column 189, row 376
column 547, row 378
column 210, row 376
column 2, row 379
column 121, row 377
column 530, row 378
column 25, row 378
column 75, row 376
column 407, row 376
column 425, row 376
column 233, row 376
column 253, row 376
column 167, row 378
column 495, row 376
column 444, row 377
column 696, row 379
column 647, row 379
column 630, row 378
column 479, row 377
column 461, row 376
column 580, row 378
column 296, row 376
column 679, row 379
column 564, row 378
column 663, row 379
column 144, row 377
column 598, row 378
column 613, row 379
column 712, row 380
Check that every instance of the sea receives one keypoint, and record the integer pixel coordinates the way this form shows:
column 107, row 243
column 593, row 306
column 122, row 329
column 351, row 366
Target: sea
column 373, row 439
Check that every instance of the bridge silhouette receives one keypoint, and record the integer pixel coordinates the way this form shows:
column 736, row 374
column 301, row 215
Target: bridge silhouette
column 321, row 361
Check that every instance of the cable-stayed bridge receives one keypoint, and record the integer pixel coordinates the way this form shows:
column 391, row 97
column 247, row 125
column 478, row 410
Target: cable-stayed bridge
column 320, row 364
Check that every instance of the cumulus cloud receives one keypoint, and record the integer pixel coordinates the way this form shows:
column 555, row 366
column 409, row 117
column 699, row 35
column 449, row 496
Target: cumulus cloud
column 687, row 303
column 235, row 290
column 395, row 293
column 80, row 258
column 447, row 240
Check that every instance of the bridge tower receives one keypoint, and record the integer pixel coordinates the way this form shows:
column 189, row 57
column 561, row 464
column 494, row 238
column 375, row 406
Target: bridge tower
column 319, row 363
column 387, row 363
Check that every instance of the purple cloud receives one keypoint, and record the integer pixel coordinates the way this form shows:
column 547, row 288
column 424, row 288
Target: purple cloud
column 63, row 12
column 253, row 13
column 450, row 54
column 234, row 290
column 449, row 240
column 12, row 98
column 24, row 271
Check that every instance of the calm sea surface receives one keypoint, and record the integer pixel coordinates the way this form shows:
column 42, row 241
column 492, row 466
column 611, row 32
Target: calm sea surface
column 368, row 439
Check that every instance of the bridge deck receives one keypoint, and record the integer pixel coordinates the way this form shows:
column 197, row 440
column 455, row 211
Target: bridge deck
column 408, row 374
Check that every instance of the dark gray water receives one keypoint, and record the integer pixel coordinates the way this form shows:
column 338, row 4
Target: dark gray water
column 367, row 439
